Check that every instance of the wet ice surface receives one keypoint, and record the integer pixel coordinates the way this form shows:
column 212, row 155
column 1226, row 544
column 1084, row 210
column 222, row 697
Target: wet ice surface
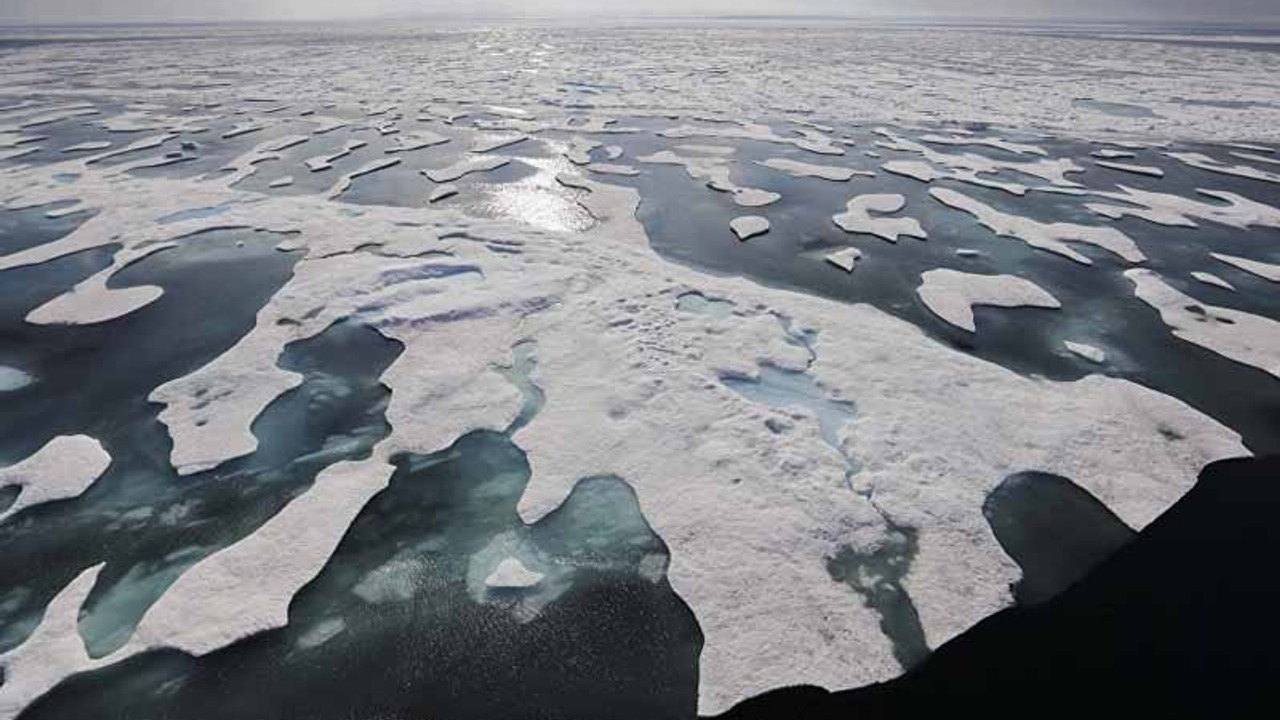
column 440, row 559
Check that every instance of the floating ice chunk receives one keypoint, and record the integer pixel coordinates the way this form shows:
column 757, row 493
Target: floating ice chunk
column 613, row 152
column 65, row 467
column 285, row 181
column 1249, row 339
column 810, row 140
column 242, row 129
column 282, row 144
column 87, row 146
column 997, row 143
column 1204, row 162
column 442, row 192
column 846, row 259
column 51, row 654
column 136, row 145
column 970, row 167
column 612, row 169
column 1266, row 271
column 579, row 152
column 466, row 166
column 1131, row 168
column 246, row 588
column 951, row 294
column 58, row 116
column 512, row 574
column 857, row 218
column 92, row 302
column 417, row 141
column 1211, row 279
column 327, row 124
column 1176, row 211
column 968, row 253
column 1088, row 352
column 914, row 169
column 749, row 226
column 1251, row 148
column 373, row 166
column 799, row 169
column 1251, row 157
column 1107, row 154
column 496, row 142
column 712, row 167
column 1044, row 236
column 324, row 162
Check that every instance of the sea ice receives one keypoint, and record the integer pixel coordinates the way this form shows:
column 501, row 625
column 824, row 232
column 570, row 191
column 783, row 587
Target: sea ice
column 846, row 259
column 1266, row 271
column 1211, row 279
column 466, row 166
column 951, row 295
column 512, row 574
column 857, row 218
column 799, row 169
column 1044, row 236
column 1249, row 339
column 749, row 226
column 1086, row 351
column 65, row 467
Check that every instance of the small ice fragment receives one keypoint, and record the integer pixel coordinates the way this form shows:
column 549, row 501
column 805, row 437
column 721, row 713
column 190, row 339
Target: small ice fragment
column 512, row 574
column 845, row 259
column 749, row 226
column 1088, row 352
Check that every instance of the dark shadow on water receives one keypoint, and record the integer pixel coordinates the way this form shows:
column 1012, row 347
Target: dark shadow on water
column 1054, row 529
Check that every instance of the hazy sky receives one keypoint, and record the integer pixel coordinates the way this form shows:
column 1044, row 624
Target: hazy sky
column 118, row 10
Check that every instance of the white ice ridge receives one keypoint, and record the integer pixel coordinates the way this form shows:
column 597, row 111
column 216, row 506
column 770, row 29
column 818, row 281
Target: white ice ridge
column 750, row 514
column 994, row 142
column 466, row 166
column 711, row 164
column 92, row 301
column 973, row 168
column 795, row 168
column 846, row 259
column 1231, row 209
column 857, row 218
column 325, row 162
column 1044, row 236
column 809, row 139
column 489, row 143
column 1204, row 162
column 511, row 573
column 373, row 166
column 1086, row 351
column 951, row 294
column 65, row 467
column 1211, row 279
column 749, row 226
column 1249, row 339
column 1266, row 271
column 1148, row 170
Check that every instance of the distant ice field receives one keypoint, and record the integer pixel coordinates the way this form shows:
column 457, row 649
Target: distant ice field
column 450, row 370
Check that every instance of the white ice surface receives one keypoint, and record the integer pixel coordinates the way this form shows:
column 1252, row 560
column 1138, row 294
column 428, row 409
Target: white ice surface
column 65, row 467
column 511, row 573
column 1266, row 271
column 858, row 218
column 749, row 226
column 951, row 294
column 1249, row 339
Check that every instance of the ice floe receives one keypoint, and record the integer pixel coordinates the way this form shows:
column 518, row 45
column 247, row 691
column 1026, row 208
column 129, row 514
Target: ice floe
column 1173, row 210
column 1211, row 279
column 795, row 168
column 1249, row 339
column 711, row 164
column 1088, row 352
column 1204, row 162
column 749, row 226
column 1266, row 271
column 65, row 467
column 846, row 259
column 952, row 295
column 92, row 302
column 1147, row 170
column 858, row 218
column 466, row 166
column 1044, row 236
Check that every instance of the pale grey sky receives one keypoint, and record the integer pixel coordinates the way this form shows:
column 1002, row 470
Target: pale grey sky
column 126, row 10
